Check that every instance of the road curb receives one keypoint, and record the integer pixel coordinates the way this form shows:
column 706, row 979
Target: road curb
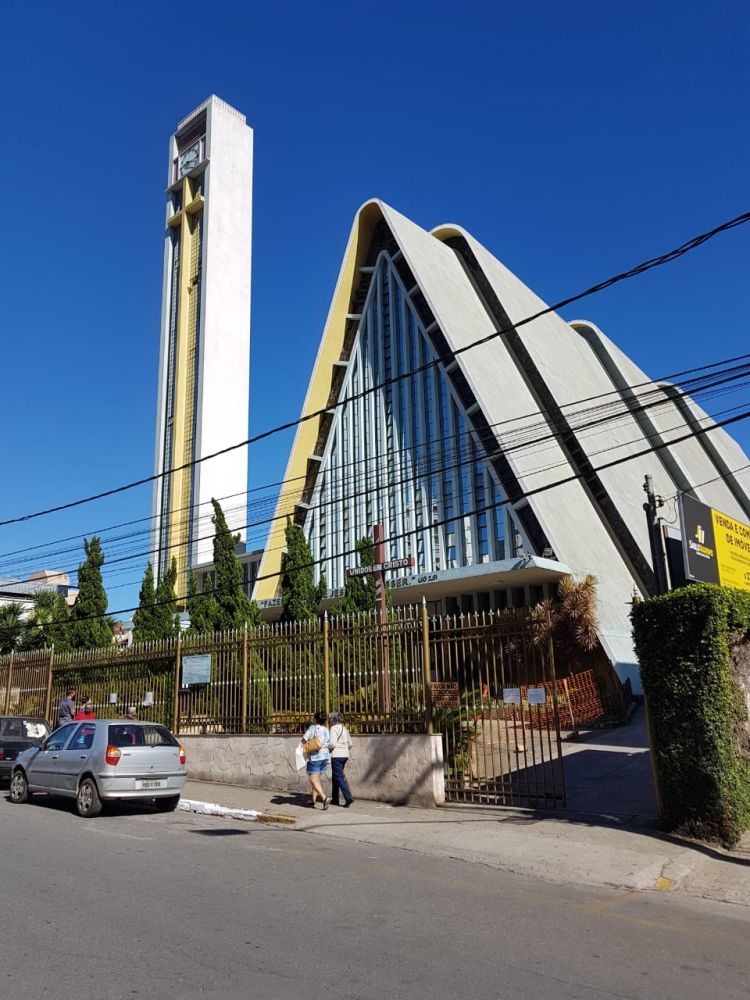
column 246, row 815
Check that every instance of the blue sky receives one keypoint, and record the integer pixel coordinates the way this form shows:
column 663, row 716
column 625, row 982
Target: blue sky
column 573, row 140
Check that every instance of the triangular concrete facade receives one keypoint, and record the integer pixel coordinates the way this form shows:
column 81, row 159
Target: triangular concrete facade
column 525, row 383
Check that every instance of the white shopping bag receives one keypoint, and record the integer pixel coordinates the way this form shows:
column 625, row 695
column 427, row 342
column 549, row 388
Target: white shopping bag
column 299, row 757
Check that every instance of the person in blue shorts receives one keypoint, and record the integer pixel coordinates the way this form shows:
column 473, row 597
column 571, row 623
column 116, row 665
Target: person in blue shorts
column 315, row 746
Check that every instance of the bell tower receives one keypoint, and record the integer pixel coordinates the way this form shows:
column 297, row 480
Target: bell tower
column 204, row 368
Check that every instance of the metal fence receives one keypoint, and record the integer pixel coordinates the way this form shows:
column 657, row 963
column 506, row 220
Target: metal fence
column 25, row 683
column 481, row 680
column 496, row 702
column 265, row 680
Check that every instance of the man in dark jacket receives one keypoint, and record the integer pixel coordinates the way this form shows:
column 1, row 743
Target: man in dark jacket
column 67, row 708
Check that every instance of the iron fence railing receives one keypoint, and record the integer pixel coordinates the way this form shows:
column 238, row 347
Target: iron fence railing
column 384, row 675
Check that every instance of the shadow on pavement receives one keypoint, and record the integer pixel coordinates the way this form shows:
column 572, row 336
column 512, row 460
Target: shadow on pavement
column 221, row 832
column 60, row 803
column 291, row 799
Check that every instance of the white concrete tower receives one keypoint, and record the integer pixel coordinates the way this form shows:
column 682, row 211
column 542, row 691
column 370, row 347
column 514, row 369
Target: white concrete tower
column 204, row 368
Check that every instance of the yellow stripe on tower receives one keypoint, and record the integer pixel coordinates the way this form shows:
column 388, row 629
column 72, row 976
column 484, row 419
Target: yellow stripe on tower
column 188, row 304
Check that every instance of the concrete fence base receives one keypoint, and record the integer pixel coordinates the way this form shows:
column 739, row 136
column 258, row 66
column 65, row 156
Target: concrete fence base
column 398, row 768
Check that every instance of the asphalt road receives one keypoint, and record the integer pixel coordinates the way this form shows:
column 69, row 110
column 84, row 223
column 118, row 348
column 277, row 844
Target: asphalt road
column 137, row 905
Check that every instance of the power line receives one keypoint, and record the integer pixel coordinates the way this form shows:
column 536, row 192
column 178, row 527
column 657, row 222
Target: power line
column 428, row 470
column 638, row 269
column 709, row 383
column 425, row 467
column 487, row 456
column 574, row 477
column 284, row 482
column 531, row 472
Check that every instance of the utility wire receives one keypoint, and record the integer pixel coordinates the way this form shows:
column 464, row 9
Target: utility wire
column 427, row 527
column 425, row 467
column 699, row 385
column 638, row 269
column 292, row 479
column 428, row 470
column 574, row 477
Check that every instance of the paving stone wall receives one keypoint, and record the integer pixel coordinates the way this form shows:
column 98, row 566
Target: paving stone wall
column 403, row 769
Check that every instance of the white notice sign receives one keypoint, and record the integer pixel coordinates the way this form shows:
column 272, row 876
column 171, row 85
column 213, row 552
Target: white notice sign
column 536, row 696
column 512, row 696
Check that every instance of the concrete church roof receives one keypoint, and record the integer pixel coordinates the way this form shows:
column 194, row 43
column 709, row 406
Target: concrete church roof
column 545, row 365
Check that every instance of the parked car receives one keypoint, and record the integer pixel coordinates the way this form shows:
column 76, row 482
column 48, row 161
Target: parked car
column 17, row 733
column 101, row 761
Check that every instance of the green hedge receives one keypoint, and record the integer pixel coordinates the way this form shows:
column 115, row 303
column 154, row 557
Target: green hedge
column 682, row 642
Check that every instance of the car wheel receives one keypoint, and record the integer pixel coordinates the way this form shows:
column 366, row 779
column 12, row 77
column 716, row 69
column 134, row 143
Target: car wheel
column 88, row 803
column 167, row 805
column 19, row 788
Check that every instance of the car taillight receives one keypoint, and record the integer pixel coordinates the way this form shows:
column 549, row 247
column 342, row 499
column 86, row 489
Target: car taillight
column 112, row 755
column 2, row 755
column 183, row 755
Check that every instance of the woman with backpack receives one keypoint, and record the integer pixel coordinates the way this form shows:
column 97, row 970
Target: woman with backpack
column 315, row 748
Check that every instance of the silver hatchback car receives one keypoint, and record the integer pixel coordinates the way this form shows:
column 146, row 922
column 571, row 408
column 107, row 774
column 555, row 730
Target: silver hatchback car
column 103, row 760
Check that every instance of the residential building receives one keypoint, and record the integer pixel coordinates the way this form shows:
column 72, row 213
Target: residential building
column 15, row 591
column 122, row 632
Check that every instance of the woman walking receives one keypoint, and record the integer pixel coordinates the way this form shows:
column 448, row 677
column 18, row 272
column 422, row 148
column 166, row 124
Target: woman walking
column 341, row 750
column 315, row 745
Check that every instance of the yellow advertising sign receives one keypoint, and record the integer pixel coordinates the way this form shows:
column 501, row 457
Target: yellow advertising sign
column 732, row 541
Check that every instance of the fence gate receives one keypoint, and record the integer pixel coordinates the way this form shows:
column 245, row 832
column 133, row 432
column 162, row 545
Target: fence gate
column 495, row 700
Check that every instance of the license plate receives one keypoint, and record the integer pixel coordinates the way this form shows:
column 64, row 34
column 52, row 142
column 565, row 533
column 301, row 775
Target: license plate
column 141, row 783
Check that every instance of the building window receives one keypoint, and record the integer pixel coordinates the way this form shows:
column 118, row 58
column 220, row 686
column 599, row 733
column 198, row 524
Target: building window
column 405, row 456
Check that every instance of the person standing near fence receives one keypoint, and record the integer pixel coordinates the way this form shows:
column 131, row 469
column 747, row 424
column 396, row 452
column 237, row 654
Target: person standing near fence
column 340, row 746
column 86, row 711
column 67, row 710
column 315, row 746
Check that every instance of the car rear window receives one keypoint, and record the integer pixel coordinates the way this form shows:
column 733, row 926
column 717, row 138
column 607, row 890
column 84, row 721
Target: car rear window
column 125, row 735
column 27, row 729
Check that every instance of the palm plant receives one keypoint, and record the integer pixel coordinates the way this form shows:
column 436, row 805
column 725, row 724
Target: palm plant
column 11, row 626
column 46, row 624
column 571, row 620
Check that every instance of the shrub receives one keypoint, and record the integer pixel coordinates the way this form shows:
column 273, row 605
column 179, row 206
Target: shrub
column 682, row 641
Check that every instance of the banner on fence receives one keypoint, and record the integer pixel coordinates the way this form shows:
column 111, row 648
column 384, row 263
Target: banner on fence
column 196, row 669
column 445, row 694
column 536, row 696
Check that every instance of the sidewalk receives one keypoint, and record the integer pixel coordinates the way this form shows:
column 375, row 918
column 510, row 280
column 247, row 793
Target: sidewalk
column 563, row 847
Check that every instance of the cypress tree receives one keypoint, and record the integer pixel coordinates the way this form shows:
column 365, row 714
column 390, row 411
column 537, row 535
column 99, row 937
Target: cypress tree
column 299, row 593
column 89, row 627
column 58, row 631
column 156, row 617
column 166, row 618
column 235, row 609
column 360, row 590
column 202, row 608
column 143, row 619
